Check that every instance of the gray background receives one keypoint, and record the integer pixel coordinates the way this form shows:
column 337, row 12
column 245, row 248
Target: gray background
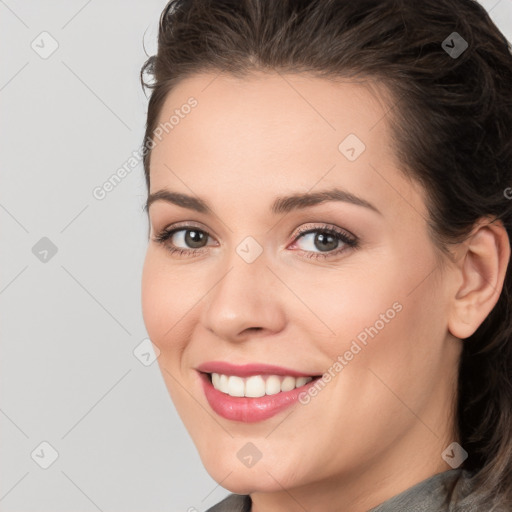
column 72, row 320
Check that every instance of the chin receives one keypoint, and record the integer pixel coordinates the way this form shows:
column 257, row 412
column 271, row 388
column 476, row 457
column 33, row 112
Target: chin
column 241, row 479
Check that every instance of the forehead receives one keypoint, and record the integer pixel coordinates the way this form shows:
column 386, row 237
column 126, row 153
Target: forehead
column 275, row 132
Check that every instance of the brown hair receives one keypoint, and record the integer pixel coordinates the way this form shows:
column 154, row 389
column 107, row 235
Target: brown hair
column 451, row 123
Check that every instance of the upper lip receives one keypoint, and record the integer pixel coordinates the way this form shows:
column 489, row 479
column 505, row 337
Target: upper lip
column 246, row 370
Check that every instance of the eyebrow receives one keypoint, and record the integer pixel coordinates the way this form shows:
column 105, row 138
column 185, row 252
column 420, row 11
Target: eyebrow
column 282, row 204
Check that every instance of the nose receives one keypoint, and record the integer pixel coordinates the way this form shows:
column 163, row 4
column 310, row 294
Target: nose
column 246, row 301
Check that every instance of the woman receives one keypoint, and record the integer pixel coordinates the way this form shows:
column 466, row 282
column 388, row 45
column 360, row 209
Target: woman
column 327, row 272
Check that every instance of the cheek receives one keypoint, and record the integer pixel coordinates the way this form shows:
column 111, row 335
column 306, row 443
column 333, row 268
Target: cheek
column 162, row 304
column 151, row 297
column 391, row 340
column 345, row 303
column 376, row 318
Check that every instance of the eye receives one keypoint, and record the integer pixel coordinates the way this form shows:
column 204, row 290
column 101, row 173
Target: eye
column 326, row 240
column 193, row 240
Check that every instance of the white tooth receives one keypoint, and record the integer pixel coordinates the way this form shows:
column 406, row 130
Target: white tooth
column 223, row 383
column 300, row 381
column 288, row 383
column 235, row 386
column 272, row 385
column 255, row 386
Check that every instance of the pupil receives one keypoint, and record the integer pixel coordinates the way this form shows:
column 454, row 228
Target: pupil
column 194, row 237
column 324, row 240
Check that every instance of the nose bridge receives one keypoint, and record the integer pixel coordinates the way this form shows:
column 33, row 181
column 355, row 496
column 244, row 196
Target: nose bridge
column 244, row 295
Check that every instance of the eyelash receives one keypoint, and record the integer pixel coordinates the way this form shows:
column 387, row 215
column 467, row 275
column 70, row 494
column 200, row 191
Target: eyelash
column 350, row 242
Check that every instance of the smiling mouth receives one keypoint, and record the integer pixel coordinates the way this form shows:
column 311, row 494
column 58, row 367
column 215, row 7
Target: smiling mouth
column 256, row 386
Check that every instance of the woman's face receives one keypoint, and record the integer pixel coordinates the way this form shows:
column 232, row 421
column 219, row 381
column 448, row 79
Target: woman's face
column 247, row 287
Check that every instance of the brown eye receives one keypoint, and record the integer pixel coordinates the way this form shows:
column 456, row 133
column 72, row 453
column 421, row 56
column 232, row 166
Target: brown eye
column 194, row 238
column 184, row 240
column 326, row 240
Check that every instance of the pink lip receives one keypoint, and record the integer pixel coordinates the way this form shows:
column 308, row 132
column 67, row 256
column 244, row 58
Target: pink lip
column 247, row 409
column 246, row 370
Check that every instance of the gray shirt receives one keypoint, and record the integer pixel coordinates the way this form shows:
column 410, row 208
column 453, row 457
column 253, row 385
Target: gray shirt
column 439, row 493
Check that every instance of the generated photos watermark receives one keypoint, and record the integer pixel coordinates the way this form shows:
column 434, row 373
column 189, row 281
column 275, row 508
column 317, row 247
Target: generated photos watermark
column 355, row 348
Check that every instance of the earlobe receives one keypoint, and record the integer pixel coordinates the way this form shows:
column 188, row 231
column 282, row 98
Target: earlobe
column 482, row 267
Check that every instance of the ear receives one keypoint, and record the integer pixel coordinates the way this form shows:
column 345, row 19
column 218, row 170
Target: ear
column 482, row 264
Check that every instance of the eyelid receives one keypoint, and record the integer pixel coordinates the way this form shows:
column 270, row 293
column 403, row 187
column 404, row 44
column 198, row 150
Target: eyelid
column 349, row 240
column 311, row 227
column 175, row 226
column 295, row 233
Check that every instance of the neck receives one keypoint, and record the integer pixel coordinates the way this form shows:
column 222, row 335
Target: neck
column 358, row 491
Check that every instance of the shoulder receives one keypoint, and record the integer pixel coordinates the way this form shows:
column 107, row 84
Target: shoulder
column 469, row 495
column 439, row 493
column 455, row 490
column 233, row 503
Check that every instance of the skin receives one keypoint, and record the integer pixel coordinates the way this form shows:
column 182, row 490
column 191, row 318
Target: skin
column 381, row 424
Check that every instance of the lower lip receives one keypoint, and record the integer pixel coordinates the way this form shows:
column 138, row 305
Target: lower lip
column 246, row 409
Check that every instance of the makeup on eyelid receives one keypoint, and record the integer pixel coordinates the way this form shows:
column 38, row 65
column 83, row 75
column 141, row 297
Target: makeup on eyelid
column 337, row 234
